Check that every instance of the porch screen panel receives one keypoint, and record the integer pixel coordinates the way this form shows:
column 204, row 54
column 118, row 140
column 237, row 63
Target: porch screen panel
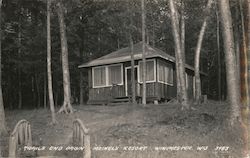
column 165, row 73
column 99, row 76
column 149, row 71
column 115, row 74
column 169, row 73
column 161, row 72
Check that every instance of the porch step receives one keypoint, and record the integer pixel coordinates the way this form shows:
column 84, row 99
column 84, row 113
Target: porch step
column 120, row 100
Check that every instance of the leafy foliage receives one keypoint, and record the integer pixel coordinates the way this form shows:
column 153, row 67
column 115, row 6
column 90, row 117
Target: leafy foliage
column 94, row 28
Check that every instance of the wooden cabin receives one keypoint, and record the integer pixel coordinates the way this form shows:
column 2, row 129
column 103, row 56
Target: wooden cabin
column 110, row 76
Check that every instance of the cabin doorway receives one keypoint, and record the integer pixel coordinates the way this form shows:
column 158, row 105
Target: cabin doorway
column 128, row 83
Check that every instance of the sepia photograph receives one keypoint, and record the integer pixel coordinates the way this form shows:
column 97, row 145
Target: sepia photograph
column 124, row 78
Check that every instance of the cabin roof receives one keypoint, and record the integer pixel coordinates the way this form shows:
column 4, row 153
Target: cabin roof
column 124, row 54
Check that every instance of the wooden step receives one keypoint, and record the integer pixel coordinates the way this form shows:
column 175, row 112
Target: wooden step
column 120, row 100
column 121, row 97
column 118, row 103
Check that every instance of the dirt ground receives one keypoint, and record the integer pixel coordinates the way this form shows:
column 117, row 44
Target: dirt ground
column 127, row 131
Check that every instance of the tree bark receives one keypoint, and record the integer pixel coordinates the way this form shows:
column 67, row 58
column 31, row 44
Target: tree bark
column 66, row 107
column 131, row 44
column 197, row 55
column 132, row 69
column 81, row 50
column 218, row 53
column 243, row 54
column 81, row 88
column 50, row 87
column 143, row 54
column 237, row 43
column 45, row 92
column 2, row 113
column 20, row 100
column 244, row 76
column 179, row 56
column 248, row 56
column 183, row 31
column 182, row 34
column 228, row 39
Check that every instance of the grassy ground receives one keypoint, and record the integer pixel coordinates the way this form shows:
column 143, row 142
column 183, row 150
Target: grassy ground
column 141, row 132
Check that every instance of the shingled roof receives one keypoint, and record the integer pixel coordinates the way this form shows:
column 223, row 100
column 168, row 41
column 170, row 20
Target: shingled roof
column 124, row 54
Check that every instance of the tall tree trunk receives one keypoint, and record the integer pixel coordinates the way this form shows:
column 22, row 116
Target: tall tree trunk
column 66, row 107
column 179, row 56
column 45, row 92
column 38, row 91
column 183, row 31
column 131, row 44
column 50, row 87
column 232, row 87
column 243, row 54
column 248, row 56
column 153, row 36
column 237, row 43
column 218, row 51
column 244, row 76
column 132, row 69
column 197, row 56
column 182, row 34
column 2, row 113
column 81, row 71
column 81, row 88
column 143, row 54
column 20, row 100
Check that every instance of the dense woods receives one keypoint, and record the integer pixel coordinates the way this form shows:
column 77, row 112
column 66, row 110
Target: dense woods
column 192, row 31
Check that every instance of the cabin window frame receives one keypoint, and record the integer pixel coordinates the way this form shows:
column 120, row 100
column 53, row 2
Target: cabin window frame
column 121, row 66
column 139, row 71
column 106, row 75
column 172, row 73
column 126, row 80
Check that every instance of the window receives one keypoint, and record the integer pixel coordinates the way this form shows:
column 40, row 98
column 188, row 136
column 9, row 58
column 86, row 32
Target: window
column 165, row 73
column 104, row 76
column 99, row 76
column 115, row 74
column 150, row 71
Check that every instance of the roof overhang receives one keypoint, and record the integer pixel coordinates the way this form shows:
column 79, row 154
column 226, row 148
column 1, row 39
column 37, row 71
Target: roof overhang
column 98, row 62
column 124, row 55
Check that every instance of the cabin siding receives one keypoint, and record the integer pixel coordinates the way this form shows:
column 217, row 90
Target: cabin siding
column 165, row 91
column 105, row 94
column 155, row 90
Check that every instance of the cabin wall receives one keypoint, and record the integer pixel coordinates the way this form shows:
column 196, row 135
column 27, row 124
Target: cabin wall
column 105, row 94
column 155, row 90
column 166, row 91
